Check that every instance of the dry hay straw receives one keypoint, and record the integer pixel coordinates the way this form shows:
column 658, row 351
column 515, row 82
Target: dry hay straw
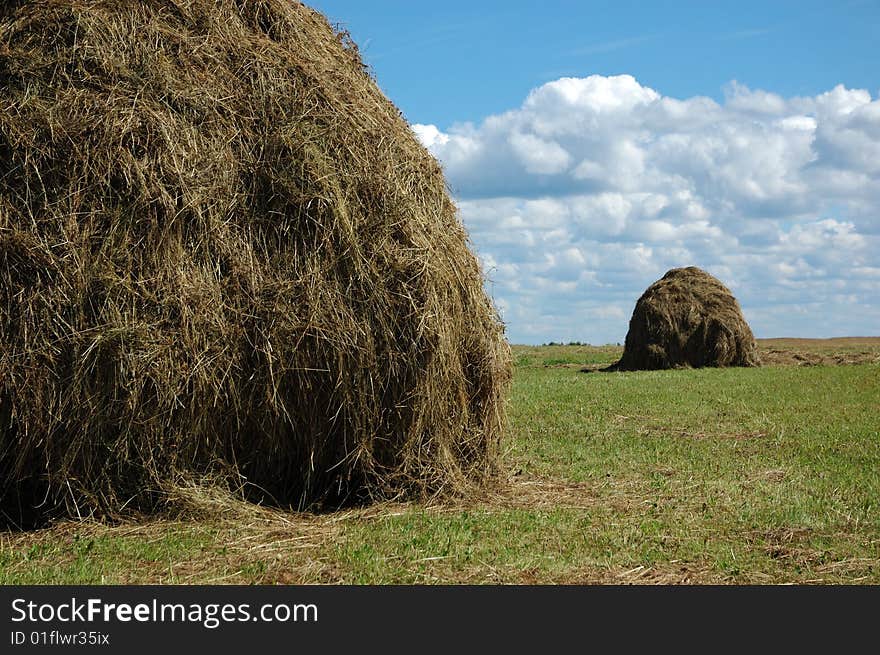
column 688, row 318
column 223, row 252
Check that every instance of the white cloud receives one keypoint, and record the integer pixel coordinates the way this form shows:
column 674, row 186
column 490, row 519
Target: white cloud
column 430, row 135
column 594, row 187
column 740, row 98
column 539, row 156
column 589, row 96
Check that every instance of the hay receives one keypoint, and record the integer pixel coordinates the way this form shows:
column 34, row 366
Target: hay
column 687, row 319
column 224, row 253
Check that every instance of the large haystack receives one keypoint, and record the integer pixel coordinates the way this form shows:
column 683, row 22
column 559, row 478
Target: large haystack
column 224, row 253
column 687, row 319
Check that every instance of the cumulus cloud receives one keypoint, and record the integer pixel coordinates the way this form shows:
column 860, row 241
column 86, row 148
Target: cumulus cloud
column 594, row 187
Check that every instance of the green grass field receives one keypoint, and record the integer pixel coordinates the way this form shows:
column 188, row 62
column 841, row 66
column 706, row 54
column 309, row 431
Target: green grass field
column 740, row 476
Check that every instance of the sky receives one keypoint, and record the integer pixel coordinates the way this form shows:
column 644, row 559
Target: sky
column 592, row 146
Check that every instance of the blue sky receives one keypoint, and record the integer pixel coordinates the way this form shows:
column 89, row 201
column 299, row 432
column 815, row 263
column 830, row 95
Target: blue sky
column 593, row 145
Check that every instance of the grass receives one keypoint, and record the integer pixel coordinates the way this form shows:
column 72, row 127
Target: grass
column 742, row 476
column 559, row 355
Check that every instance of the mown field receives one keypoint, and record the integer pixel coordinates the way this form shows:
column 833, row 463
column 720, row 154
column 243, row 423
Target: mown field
column 739, row 476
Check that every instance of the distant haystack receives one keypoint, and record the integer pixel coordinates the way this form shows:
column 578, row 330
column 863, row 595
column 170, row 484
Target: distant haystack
column 224, row 254
column 687, row 319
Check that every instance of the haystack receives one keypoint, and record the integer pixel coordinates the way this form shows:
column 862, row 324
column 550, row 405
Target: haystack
column 687, row 319
column 224, row 254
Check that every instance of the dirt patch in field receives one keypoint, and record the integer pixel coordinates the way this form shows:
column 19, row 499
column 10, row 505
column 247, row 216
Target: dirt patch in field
column 699, row 435
column 835, row 343
column 840, row 351
column 667, row 573
column 593, row 368
column 525, row 492
column 648, row 426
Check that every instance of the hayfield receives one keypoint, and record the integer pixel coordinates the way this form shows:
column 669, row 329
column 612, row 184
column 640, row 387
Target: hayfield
column 736, row 476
